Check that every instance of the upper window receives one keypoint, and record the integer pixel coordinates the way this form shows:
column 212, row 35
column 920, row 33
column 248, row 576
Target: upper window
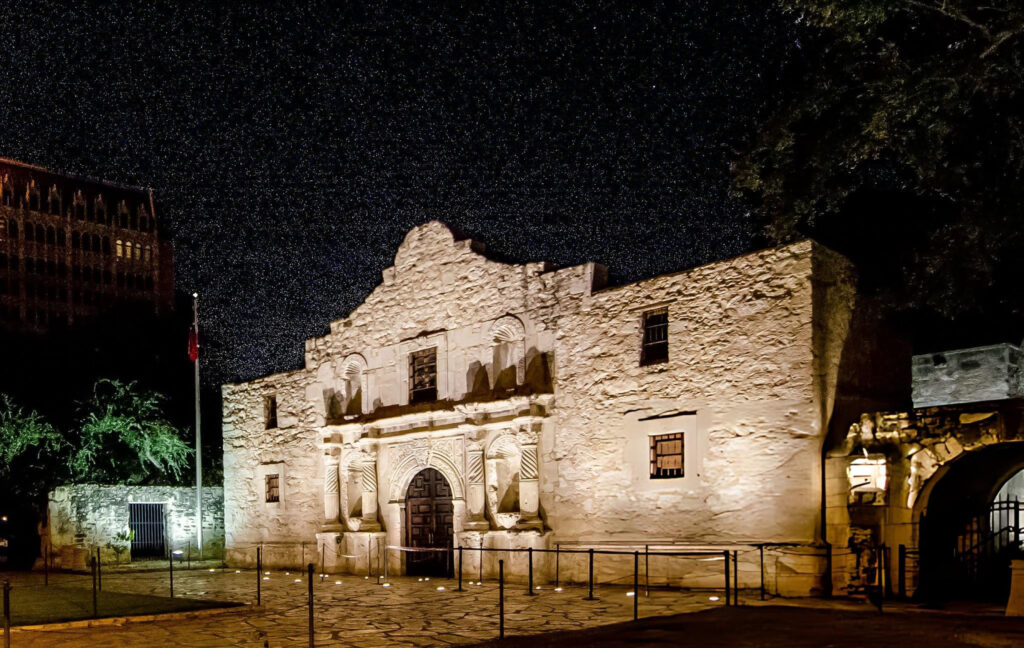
column 667, row 456
column 655, row 342
column 423, row 375
column 270, row 412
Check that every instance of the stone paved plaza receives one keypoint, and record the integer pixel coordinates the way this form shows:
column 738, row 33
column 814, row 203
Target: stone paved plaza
column 357, row 613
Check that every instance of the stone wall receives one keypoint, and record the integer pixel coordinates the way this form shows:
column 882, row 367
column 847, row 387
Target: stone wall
column 973, row 375
column 83, row 517
column 539, row 368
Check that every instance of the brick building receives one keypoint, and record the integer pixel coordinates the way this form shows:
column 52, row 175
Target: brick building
column 70, row 248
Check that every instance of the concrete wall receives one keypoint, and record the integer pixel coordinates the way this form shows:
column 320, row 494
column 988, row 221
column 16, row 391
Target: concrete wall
column 755, row 345
column 968, row 375
column 83, row 517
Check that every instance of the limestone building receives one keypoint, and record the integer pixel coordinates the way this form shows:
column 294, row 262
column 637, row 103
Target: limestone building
column 475, row 403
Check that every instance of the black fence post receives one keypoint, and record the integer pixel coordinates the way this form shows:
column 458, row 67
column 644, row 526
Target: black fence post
column 735, row 577
column 259, row 573
column 501, row 599
column 99, row 570
column 7, row 613
column 901, row 578
column 460, row 570
column 309, row 581
column 647, row 571
column 95, row 611
column 761, row 549
column 590, row 578
column 188, row 556
column 728, row 592
column 480, row 562
column 529, row 586
column 827, row 585
column 170, row 571
column 46, row 566
column 636, row 585
column 558, row 552
column 323, row 554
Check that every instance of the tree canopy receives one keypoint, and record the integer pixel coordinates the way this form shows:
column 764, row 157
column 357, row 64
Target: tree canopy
column 120, row 436
column 902, row 145
column 123, row 437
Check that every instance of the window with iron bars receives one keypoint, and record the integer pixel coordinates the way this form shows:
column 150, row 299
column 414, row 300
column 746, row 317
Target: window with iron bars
column 273, row 488
column 423, row 376
column 654, row 349
column 667, row 456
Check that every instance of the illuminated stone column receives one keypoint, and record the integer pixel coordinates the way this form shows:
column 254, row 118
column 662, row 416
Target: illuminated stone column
column 475, row 495
column 369, row 521
column 529, row 488
column 332, row 498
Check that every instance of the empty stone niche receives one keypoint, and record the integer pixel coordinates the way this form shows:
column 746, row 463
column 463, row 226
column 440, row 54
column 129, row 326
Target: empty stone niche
column 502, row 477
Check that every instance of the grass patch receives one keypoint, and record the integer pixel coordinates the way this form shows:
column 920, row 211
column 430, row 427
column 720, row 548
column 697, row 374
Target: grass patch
column 37, row 605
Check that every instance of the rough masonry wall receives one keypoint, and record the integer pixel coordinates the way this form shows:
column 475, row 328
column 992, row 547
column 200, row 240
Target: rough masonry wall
column 747, row 381
column 741, row 361
column 87, row 516
column 968, row 375
column 251, row 451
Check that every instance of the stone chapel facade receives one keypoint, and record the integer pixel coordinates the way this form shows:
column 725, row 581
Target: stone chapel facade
column 469, row 402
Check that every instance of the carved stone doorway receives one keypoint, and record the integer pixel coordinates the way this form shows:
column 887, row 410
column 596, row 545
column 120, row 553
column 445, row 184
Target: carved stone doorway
column 429, row 524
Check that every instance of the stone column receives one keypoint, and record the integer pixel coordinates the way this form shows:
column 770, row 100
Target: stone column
column 529, row 488
column 332, row 499
column 369, row 521
column 476, row 498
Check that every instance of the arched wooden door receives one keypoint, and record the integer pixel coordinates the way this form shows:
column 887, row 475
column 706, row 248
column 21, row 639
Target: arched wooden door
column 428, row 524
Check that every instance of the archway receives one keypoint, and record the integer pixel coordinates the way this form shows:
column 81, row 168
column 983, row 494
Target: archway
column 961, row 553
column 429, row 524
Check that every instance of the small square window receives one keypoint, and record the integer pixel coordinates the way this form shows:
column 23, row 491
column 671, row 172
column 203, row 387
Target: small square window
column 655, row 341
column 667, row 456
column 423, row 376
column 273, row 488
column 270, row 412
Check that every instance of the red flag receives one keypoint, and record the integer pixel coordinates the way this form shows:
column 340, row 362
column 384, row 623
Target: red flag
column 193, row 344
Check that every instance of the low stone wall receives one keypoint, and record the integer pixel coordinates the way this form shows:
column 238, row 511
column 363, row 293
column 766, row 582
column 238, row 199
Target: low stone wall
column 84, row 517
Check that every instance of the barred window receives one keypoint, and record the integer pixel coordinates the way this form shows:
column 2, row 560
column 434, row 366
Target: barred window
column 270, row 412
column 423, row 376
column 667, row 456
column 273, row 488
column 655, row 341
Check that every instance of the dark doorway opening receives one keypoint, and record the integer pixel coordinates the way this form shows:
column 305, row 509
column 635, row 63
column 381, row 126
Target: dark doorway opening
column 429, row 524
column 147, row 521
column 967, row 536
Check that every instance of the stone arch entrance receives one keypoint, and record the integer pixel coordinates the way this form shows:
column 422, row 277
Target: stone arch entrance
column 961, row 553
column 429, row 524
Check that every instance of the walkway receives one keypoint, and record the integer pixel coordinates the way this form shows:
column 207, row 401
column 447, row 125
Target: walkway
column 350, row 611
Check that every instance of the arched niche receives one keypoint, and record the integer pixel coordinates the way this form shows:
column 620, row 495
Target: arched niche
column 502, row 465
column 508, row 351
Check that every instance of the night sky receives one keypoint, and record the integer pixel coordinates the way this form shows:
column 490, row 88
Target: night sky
column 292, row 146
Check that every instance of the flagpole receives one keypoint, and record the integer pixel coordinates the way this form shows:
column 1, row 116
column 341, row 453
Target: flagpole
column 199, row 445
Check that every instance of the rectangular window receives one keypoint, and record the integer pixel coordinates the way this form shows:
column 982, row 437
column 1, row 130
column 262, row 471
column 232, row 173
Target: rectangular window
column 273, row 488
column 655, row 341
column 423, row 376
column 270, row 412
column 667, row 456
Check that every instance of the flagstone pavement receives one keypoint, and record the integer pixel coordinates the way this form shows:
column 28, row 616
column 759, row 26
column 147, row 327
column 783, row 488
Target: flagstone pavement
column 349, row 611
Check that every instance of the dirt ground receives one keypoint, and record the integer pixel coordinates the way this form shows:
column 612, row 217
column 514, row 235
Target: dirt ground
column 787, row 626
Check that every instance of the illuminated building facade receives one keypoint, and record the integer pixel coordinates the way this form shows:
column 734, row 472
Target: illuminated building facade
column 472, row 403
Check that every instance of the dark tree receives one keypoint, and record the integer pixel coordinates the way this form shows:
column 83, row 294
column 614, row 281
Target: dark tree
column 902, row 145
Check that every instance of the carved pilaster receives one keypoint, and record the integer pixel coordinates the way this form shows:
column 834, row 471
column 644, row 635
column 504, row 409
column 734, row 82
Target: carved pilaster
column 476, row 496
column 332, row 500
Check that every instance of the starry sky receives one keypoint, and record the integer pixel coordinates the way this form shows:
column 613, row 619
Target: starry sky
column 292, row 145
